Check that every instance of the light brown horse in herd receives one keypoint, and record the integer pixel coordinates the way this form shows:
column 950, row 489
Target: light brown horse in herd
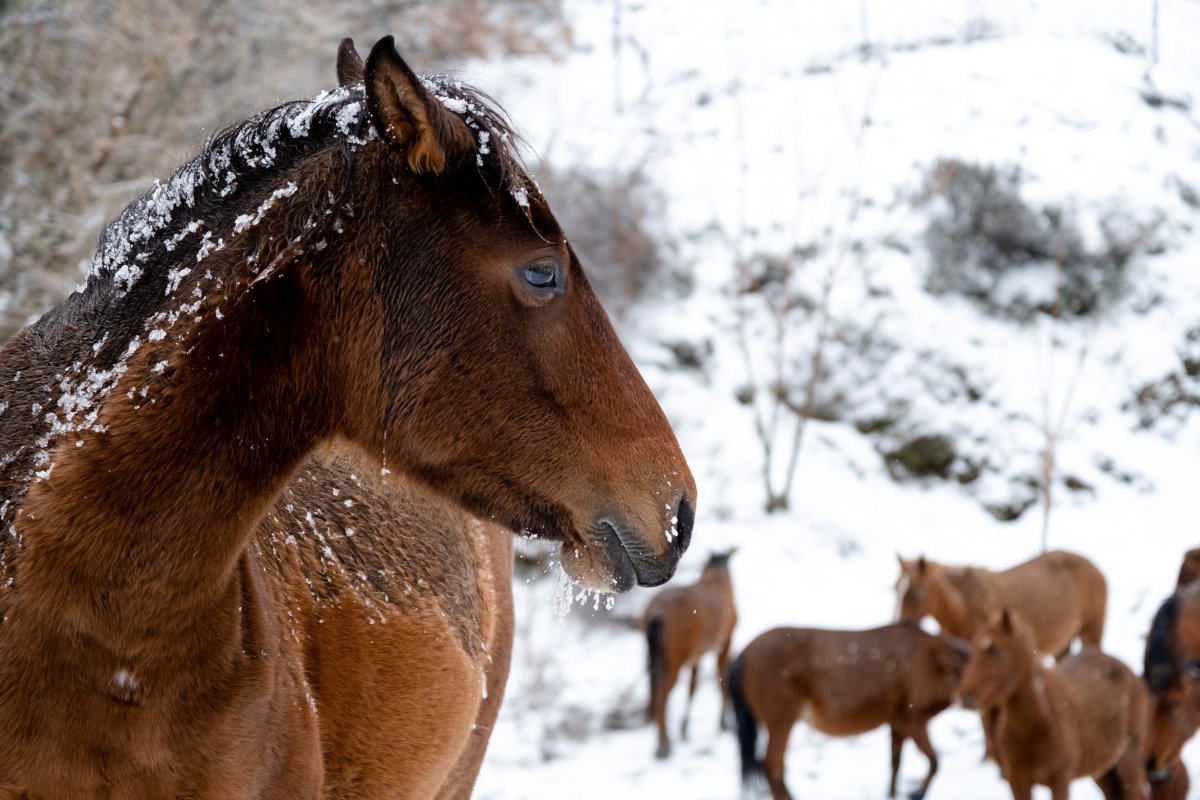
column 1172, row 672
column 372, row 270
column 842, row 683
column 1085, row 717
column 1060, row 595
column 682, row 625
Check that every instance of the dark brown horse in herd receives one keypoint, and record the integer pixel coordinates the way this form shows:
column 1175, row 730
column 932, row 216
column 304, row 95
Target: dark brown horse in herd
column 1172, row 671
column 197, row 599
column 682, row 624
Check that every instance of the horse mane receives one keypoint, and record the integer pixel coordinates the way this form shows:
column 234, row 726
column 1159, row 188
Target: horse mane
column 161, row 259
column 1159, row 665
column 168, row 222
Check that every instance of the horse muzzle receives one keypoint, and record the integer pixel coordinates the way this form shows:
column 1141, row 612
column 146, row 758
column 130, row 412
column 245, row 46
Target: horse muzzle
column 628, row 555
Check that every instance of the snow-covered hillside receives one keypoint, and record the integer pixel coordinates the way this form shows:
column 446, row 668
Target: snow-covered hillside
column 768, row 129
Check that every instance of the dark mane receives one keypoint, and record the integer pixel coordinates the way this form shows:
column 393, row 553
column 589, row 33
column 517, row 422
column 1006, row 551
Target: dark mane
column 176, row 219
column 1159, row 666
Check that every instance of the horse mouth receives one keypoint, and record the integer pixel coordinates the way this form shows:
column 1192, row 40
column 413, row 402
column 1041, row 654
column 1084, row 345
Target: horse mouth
column 627, row 558
column 1157, row 775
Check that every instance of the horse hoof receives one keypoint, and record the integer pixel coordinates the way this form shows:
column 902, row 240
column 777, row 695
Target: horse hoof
column 917, row 795
column 663, row 751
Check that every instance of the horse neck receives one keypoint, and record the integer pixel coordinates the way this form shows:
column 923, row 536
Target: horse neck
column 1028, row 709
column 718, row 580
column 949, row 606
column 139, row 526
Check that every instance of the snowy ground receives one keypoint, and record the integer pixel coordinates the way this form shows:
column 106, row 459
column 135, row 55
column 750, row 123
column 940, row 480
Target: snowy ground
column 749, row 117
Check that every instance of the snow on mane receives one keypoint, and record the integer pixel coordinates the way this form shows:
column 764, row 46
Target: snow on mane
column 180, row 222
column 155, row 221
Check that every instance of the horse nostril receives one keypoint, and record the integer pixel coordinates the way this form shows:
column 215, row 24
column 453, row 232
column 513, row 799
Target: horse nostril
column 685, row 517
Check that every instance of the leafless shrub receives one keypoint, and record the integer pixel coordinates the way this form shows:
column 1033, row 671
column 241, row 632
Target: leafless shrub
column 982, row 231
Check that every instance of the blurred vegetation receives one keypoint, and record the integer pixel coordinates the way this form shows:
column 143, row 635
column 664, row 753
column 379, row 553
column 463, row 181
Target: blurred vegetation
column 983, row 231
column 97, row 97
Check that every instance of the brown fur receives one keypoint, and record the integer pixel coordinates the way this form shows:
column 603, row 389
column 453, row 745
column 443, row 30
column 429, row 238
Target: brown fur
column 324, row 291
column 843, row 683
column 436, row 589
column 1061, row 595
column 682, row 625
column 1087, row 717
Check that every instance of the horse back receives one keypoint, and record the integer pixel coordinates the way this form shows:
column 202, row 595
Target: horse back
column 1060, row 594
column 1104, row 705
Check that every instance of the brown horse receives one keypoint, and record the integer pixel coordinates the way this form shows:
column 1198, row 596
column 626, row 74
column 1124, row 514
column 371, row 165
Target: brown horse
column 1189, row 570
column 1172, row 673
column 682, row 625
column 1061, row 595
column 372, row 267
column 1087, row 717
column 350, row 543
column 842, row 683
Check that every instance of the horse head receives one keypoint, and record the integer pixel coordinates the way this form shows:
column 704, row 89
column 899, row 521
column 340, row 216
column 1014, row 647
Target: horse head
column 1002, row 656
column 470, row 350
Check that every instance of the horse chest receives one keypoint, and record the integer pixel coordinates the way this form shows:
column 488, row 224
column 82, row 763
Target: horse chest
column 81, row 723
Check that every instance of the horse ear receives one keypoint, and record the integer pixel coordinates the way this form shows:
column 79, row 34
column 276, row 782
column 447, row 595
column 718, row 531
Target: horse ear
column 921, row 565
column 404, row 113
column 350, row 67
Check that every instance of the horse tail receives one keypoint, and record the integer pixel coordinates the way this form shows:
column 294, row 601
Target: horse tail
column 747, row 725
column 657, row 664
column 1159, row 665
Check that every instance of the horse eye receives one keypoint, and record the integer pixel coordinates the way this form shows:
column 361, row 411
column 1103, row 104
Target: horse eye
column 544, row 277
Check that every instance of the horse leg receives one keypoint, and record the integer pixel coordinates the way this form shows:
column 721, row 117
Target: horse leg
column 660, row 711
column 897, row 745
column 1129, row 775
column 687, row 709
column 1110, row 785
column 920, row 737
column 988, row 717
column 1022, row 788
column 723, row 683
column 777, row 741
